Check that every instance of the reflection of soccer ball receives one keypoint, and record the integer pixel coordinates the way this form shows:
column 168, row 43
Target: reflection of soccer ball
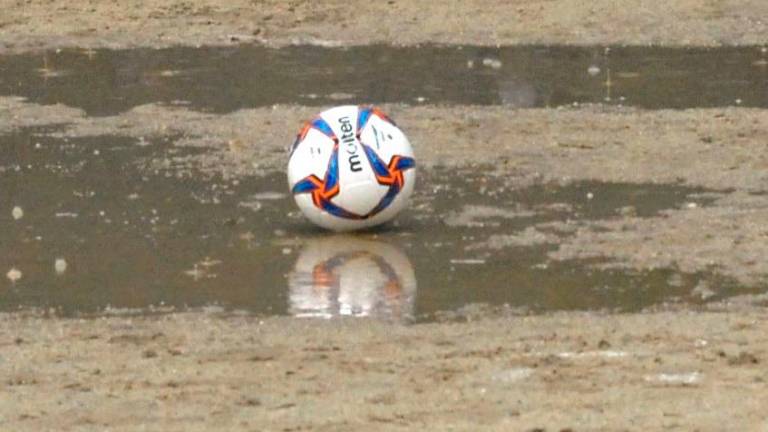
column 352, row 276
column 350, row 168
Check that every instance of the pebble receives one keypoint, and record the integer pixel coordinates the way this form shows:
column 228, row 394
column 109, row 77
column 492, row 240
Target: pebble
column 17, row 213
column 60, row 265
column 512, row 375
column 13, row 274
column 676, row 378
column 492, row 63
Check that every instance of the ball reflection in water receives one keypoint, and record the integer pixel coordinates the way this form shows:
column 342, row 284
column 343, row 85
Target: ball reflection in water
column 352, row 276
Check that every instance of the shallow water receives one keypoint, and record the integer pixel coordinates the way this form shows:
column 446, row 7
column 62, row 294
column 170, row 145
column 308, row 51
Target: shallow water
column 223, row 79
column 134, row 237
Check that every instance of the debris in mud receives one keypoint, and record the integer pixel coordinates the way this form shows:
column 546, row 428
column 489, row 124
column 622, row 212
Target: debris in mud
column 703, row 291
column 684, row 379
column 60, row 266
column 744, row 358
column 608, row 354
column 512, row 375
column 13, row 275
column 483, row 216
column 468, row 261
column 530, row 236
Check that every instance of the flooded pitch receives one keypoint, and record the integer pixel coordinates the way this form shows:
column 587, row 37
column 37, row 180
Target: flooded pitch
column 92, row 228
column 101, row 222
column 105, row 82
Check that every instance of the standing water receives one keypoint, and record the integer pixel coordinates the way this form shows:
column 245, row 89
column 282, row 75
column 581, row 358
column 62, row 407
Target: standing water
column 88, row 228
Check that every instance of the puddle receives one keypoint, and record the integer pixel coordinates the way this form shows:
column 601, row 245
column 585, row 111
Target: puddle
column 88, row 226
column 223, row 79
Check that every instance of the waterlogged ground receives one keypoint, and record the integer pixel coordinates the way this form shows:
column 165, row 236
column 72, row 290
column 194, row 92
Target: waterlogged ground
column 224, row 79
column 584, row 251
column 107, row 222
column 132, row 180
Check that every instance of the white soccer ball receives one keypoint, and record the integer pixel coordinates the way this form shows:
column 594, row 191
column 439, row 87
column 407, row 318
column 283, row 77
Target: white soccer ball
column 350, row 168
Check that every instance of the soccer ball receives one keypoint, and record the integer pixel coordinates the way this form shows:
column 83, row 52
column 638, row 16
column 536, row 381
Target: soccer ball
column 350, row 168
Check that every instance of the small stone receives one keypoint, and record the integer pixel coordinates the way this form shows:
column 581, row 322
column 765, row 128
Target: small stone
column 703, row 291
column 13, row 274
column 60, row 265
column 590, row 195
column 744, row 358
column 593, row 70
column 492, row 63
column 628, row 211
column 17, row 213
column 251, row 401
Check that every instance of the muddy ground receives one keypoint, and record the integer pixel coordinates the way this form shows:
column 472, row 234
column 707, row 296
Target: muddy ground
column 35, row 24
column 722, row 150
column 205, row 371
column 671, row 369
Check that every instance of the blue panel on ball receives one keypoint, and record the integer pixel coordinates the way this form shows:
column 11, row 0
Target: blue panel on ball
column 376, row 163
column 362, row 118
column 323, row 127
column 338, row 211
column 304, row 186
column 332, row 175
column 386, row 200
column 405, row 163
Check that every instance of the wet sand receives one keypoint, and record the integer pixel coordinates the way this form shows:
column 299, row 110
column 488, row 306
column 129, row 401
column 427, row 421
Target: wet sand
column 684, row 368
column 208, row 371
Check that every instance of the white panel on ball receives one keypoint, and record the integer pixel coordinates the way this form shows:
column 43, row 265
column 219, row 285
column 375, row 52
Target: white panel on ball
column 350, row 168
